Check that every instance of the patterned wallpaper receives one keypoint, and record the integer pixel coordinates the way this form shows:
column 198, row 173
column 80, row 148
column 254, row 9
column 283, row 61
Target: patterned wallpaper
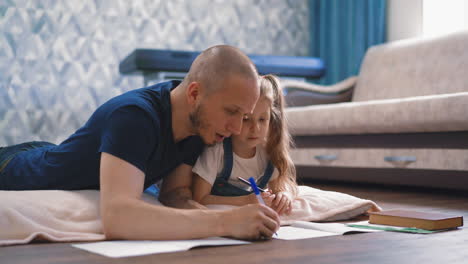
column 59, row 58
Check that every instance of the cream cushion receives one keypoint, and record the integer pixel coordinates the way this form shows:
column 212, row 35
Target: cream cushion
column 433, row 113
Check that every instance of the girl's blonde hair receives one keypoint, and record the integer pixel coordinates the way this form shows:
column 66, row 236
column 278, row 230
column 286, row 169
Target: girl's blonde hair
column 279, row 139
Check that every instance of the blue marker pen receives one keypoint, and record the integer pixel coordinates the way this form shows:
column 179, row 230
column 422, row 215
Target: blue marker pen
column 254, row 186
column 257, row 192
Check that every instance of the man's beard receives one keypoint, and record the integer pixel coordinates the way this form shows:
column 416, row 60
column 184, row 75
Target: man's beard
column 198, row 123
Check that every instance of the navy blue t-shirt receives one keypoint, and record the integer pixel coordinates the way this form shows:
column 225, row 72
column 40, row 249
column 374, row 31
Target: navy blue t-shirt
column 135, row 126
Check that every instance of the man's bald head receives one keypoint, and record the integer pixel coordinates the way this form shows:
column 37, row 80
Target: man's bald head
column 218, row 63
column 221, row 87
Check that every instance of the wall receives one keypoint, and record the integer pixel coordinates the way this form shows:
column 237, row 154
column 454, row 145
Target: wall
column 425, row 18
column 59, row 59
column 404, row 19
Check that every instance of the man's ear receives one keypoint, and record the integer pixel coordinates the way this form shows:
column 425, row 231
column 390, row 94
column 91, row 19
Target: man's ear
column 193, row 93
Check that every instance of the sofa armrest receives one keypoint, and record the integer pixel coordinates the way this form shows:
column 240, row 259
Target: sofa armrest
column 339, row 87
column 302, row 94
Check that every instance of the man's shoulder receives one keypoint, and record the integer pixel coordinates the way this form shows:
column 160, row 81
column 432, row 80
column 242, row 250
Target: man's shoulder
column 150, row 98
column 153, row 101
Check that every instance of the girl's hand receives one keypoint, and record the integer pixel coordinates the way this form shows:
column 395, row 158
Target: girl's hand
column 267, row 197
column 282, row 203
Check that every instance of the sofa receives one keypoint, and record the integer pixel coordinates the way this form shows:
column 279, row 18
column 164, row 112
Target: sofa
column 402, row 121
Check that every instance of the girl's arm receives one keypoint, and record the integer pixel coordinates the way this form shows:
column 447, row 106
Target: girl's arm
column 176, row 189
column 201, row 190
column 282, row 203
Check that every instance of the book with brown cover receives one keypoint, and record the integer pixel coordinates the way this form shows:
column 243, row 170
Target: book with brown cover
column 422, row 220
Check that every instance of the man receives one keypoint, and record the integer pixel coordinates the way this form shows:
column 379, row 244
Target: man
column 137, row 138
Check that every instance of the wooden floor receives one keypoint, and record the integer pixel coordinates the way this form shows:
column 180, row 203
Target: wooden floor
column 375, row 248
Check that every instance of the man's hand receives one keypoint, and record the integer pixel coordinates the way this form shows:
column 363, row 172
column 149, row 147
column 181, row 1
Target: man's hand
column 253, row 221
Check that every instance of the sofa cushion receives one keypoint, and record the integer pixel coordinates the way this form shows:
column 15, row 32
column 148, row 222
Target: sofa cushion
column 414, row 67
column 434, row 113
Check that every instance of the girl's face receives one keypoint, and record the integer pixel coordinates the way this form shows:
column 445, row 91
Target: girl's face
column 255, row 126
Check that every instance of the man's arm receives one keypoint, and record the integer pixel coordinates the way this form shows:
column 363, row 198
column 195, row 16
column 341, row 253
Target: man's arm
column 125, row 216
column 176, row 189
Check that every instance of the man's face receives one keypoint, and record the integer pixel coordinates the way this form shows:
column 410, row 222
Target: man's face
column 220, row 113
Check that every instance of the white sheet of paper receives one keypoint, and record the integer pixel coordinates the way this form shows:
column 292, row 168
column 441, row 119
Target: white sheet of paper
column 127, row 248
column 292, row 233
column 338, row 228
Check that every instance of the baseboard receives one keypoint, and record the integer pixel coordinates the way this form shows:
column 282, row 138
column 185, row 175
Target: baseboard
column 444, row 140
column 445, row 179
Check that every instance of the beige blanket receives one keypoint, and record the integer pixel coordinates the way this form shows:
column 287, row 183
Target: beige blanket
column 315, row 205
column 60, row 216
column 65, row 216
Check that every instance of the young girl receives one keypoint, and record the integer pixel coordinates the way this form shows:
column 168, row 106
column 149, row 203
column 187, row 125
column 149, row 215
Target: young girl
column 261, row 150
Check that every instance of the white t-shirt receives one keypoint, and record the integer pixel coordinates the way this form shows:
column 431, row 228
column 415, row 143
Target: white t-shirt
column 211, row 162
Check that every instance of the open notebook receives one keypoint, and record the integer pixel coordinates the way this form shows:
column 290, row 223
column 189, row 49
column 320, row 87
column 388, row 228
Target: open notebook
column 298, row 230
column 303, row 230
column 128, row 248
